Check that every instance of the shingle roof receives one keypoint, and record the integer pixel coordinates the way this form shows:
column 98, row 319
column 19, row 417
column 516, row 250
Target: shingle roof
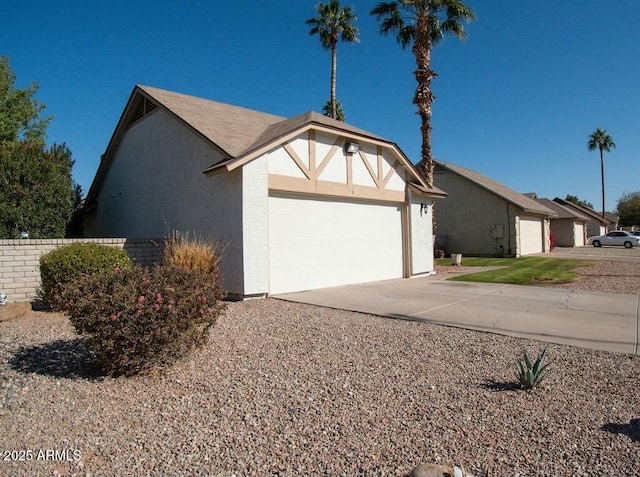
column 232, row 128
column 562, row 211
column 592, row 214
column 510, row 195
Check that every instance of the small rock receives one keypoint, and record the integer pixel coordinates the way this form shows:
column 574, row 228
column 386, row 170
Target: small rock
column 435, row 470
column 432, row 470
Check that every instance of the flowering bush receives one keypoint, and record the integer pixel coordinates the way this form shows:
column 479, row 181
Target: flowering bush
column 139, row 319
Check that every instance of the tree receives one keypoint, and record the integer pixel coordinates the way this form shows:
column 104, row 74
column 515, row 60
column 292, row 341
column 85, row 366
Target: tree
column 421, row 24
column 332, row 24
column 326, row 110
column 600, row 140
column 576, row 200
column 629, row 209
column 20, row 112
column 37, row 194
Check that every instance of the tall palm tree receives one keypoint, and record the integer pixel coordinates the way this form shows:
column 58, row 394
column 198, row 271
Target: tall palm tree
column 599, row 139
column 326, row 110
column 332, row 24
column 422, row 24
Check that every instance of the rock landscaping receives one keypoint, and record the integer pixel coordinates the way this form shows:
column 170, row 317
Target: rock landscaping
column 296, row 390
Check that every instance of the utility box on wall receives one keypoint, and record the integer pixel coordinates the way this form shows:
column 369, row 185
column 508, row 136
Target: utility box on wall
column 497, row 231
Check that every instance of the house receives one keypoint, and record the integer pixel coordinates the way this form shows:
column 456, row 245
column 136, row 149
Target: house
column 596, row 225
column 569, row 227
column 300, row 203
column 482, row 217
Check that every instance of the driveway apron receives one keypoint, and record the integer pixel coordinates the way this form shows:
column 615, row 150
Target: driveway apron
column 602, row 321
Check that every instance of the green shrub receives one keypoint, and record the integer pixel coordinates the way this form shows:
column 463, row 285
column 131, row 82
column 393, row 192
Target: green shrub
column 181, row 250
column 530, row 374
column 67, row 263
column 141, row 319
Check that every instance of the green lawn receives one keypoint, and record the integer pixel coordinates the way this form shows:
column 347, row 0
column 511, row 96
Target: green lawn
column 520, row 271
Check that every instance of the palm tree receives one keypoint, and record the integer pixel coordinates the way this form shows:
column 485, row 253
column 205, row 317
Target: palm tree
column 599, row 139
column 333, row 23
column 326, row 110
column 422, row 24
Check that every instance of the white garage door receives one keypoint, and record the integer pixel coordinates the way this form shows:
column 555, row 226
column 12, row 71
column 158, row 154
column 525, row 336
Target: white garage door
column 316, row 242
column 578, row 233
column 530, row 235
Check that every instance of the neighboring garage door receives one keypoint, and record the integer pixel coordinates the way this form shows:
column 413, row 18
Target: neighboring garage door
column 316, row 242
column 578, row 233
column 530, row 235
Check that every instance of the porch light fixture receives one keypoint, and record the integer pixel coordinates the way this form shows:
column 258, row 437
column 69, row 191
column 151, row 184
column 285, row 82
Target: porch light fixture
column 352, row 147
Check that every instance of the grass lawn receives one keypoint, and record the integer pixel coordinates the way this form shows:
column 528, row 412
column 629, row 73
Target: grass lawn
column 520, row 271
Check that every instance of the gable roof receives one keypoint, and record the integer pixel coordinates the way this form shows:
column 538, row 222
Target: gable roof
column 232, row 128
column 519, row 200
column 589, row 212
column 562, row 211
column 240, row 134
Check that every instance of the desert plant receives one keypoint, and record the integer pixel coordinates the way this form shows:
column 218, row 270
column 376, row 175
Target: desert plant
column 62, row 266
column 186, row 251
column 530, row 374
column 141, row 319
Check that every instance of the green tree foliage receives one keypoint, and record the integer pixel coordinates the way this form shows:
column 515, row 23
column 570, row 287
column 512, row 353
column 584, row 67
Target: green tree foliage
column 629, row 209
column 576, row 200
column 20, row 112
column 326, row 110
column 37, row 194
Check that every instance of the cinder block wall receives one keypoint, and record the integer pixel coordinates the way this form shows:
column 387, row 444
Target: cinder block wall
column 20, row 261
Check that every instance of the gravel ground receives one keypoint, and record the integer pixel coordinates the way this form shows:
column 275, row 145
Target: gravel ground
column 291, row 389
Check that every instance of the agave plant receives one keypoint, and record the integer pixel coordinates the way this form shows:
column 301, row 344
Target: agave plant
column 530, row 374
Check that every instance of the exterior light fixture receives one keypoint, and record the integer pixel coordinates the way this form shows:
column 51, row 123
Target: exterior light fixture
column 352, row 147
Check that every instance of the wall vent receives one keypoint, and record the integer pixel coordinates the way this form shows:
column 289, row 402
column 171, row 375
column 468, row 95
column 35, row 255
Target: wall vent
column 142, row 108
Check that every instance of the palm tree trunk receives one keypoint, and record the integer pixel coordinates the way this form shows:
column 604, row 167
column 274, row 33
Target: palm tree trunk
column 333, row 81
column 424, row 97
column 602, row 178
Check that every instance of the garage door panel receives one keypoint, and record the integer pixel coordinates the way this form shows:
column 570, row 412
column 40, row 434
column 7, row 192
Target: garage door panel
column 578, row 232
column 530, row 235
column 315, row 242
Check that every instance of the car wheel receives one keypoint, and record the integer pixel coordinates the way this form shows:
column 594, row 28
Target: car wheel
column 628, row 245
column 596, row 243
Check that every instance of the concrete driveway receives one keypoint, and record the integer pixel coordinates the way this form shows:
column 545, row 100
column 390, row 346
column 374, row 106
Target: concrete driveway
column 602, row 321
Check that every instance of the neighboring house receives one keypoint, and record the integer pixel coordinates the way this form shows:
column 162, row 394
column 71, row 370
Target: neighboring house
column 614, row 220
column 569, row 227
column 596, row 225
column 482, row 217
column 300, row 203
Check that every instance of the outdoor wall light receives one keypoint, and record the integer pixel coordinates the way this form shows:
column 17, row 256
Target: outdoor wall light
column 423, row 208
column 352, row 147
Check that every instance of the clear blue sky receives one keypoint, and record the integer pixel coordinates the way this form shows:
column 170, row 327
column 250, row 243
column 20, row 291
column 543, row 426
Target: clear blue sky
column 516, row 101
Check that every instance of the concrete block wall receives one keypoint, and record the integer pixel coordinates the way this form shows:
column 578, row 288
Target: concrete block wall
column 20, row 261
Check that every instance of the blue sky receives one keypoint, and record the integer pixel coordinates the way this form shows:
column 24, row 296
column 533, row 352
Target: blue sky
column 516, row 101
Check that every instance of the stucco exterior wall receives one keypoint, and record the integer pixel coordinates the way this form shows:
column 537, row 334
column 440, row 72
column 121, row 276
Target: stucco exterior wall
column 255, row 226
column 470, row 215
column 155, row 185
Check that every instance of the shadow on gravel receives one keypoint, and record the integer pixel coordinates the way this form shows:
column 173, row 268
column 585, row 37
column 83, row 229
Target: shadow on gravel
column 60, row 359
column 498, row 386
column 632, row 429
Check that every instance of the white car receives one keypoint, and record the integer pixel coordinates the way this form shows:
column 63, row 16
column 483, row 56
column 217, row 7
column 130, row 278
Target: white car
column 618, row 237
